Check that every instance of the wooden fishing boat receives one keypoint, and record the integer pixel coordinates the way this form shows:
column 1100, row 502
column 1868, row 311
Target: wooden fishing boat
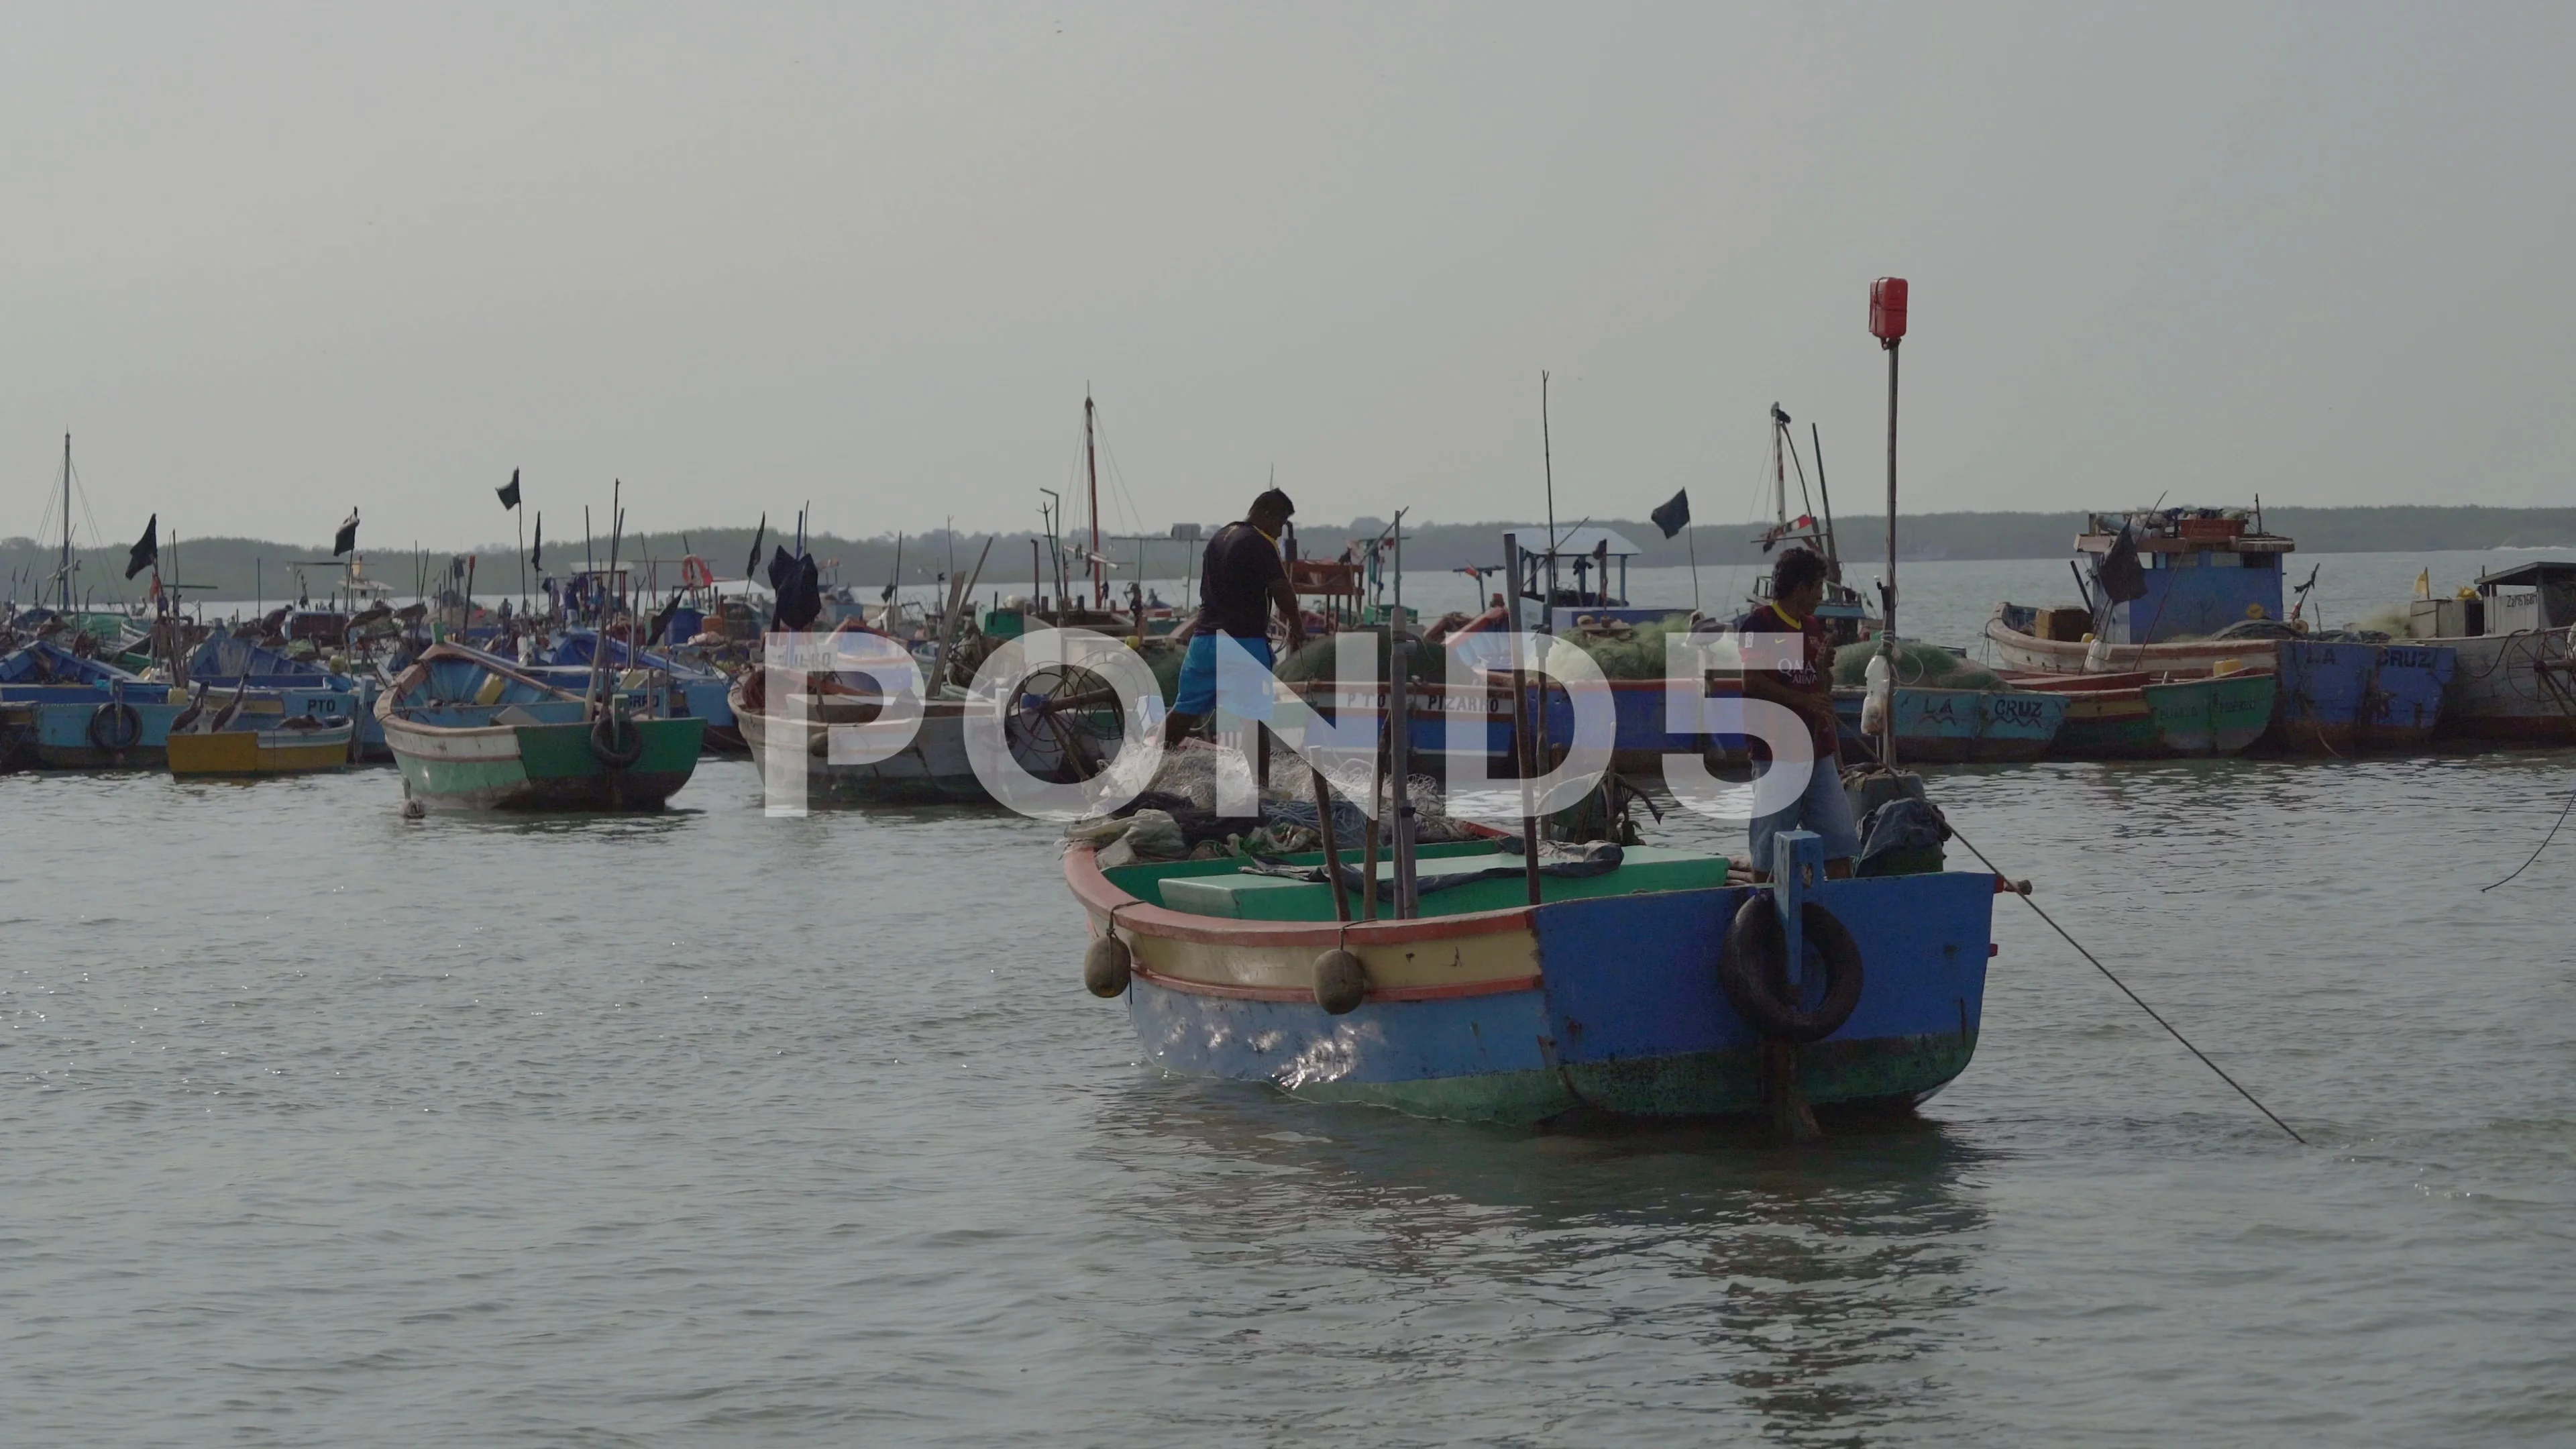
column 223, row 664
column 696, row 688
column 472, row 731
column 263, row 743
column 1606, row 997
column 2513, row 636
column 2190, row 575
column 68, row 712
column 2351, row 698
column 2138, row 717
column 930, row 767
column 1058, row 728
column 1960, row 726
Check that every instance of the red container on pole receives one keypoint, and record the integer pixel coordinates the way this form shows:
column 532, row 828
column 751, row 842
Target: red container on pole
column 1887, row 308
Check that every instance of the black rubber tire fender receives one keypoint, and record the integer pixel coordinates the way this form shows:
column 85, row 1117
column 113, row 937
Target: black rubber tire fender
column 115, row 727
column 615, row 741
column 1753, row 969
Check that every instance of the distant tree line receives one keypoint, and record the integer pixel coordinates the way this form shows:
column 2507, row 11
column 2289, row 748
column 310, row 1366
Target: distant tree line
column 246, row 569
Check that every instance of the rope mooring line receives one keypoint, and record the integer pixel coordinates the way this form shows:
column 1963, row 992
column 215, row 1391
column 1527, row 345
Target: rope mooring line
column 2140, row 1000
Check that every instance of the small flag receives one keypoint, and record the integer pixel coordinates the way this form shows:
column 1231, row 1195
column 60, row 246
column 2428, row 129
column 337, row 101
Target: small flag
column 757, row 534
column 2423, row 583
column 537, row 554
column 1674, row 516
column 147, row 549
column 510, row 491
column 347, row 538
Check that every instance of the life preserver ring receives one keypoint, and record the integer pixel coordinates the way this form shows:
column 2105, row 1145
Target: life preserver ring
column 115, row 727
column 696, row 574
column 1753, row 968
column 615, row 740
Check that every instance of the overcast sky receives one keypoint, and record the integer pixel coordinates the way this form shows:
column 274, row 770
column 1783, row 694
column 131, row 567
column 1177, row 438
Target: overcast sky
column 266, row 263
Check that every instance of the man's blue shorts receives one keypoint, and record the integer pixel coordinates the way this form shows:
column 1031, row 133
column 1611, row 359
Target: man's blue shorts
column 1822, row 808
column 1248, row 694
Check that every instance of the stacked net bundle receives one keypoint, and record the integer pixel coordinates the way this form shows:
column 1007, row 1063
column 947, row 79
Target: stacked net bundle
column 1923, row 666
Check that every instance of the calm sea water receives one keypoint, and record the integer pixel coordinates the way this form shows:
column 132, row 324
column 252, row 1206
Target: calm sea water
column 325, row 1127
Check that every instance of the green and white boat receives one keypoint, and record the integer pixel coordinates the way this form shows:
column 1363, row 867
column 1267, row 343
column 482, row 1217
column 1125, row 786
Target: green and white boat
column 474, row 731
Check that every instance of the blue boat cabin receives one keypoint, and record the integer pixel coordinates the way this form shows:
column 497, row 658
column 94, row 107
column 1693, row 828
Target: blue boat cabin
column 2204, row 571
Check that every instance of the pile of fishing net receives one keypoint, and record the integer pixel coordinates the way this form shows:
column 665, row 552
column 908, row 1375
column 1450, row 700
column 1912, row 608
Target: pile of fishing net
column 1315, row 661
column 1630, row 651
column 1623, row 651
column 1923, row 666
column 1174, row 817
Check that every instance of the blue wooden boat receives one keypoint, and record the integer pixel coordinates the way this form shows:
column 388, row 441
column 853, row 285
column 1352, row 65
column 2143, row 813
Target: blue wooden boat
column 2349, row 698
column 64, row 712
column 224, row 663
column 2213, row 604
column 697, row 689
column 1606, row 997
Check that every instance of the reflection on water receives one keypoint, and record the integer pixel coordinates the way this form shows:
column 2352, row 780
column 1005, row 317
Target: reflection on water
column 1809, row 1284
column 707, row 1127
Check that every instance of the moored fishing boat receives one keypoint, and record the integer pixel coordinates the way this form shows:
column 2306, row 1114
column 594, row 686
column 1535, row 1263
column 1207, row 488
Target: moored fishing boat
column 2163, row 586
column 2513, row 635
column 1605, row 997
column 1961, row 726
column 224, row 663
column 253, row 743
column 66, row 712
column 470, row 730
column 698, row 688
column 2350, row 698
column 2137, row 717
column 792, row 737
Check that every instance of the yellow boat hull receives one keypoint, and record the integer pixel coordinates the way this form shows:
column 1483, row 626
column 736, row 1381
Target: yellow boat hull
column 259, row 752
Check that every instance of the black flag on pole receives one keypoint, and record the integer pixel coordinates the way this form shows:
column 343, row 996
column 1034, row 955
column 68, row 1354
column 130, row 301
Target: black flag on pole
column 2119, row 574
column 537, row 554
column 510, row 491
column 347, row 538
column 147, row 549
column 753, row 567
column 1674, row 516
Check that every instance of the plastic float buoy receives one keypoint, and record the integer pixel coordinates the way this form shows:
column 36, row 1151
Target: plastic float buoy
column 1341, row 982
column 1105, row 967
column 1753, row 967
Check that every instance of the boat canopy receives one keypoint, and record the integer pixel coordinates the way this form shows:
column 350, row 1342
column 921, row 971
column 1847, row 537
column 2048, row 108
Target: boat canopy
column 2539, row 575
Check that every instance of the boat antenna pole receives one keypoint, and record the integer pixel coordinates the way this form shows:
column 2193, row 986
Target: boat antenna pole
column 67, row 525
column 1091, row 467
column 1547, row 462
column 1779, row 470
column 523, row 550
column 1825, row 497
column 1789, row 445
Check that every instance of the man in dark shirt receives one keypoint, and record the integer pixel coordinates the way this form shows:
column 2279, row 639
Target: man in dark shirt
column 1243, row 580
column 1804, row 683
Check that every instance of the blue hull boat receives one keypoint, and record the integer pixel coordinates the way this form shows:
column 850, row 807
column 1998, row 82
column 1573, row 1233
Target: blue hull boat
column 223, row 664
column 696, row 689
column 1602, row 998
column 60, row 711
column 2351, row 698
